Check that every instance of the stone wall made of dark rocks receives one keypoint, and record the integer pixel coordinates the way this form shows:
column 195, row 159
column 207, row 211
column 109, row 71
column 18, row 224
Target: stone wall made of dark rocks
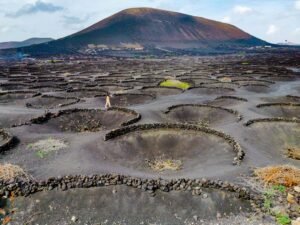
column 290, row 77
column 35, row 86
column 103, row 92
column 114, row 84
column 215, row 88
column 135, row 94
column 220, row 85
column 293, row 96
column 18, row 187
column 161, row 87
column 34, row 94
column 13, row 84
column 136, row 115
column 275, row 119
column 255, row 80
column 278, row 104
column 236, row 113
column 231, row 97
column 240, row 154
column 254, row 85
column 75, row 100
column 9, row 141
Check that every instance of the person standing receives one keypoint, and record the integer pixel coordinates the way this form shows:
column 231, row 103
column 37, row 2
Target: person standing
column 107, row 101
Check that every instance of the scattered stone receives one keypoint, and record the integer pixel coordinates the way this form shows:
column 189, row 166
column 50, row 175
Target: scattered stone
column 296, row 222
column 195, row 218
column 290, row 198
column 297, row 189
column 74, row 219
column 278, row 210
column 205, row 196
column 2, row 212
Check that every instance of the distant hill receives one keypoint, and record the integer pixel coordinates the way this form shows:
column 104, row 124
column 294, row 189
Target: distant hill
column 28, row 42
column 151, row 28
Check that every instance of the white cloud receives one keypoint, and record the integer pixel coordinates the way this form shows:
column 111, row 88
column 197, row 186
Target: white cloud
column 38, row 6
column 4, row 29
column 226, row 19
column 240, row 9
column 297, row 30
column 297, row 4
column 272, row 29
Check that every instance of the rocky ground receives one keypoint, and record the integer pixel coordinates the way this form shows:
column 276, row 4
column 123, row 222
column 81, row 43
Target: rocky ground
column 240, row 113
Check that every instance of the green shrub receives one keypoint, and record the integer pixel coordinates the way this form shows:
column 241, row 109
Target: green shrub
column 268, row 196
column 283, row 219
column 41, row 154
column 279, row 188
column 175, row 83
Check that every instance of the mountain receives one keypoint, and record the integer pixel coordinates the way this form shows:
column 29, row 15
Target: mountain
column 28, row 42
column 161, row 28
column 150, row 28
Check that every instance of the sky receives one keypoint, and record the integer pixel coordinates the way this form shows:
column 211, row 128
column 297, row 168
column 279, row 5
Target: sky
column 271, row 20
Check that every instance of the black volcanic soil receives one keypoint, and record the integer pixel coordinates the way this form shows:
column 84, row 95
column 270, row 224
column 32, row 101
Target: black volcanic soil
column 203, row 155
column 133, row 206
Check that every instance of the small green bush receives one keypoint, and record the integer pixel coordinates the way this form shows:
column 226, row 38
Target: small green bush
column 41, row 154
column 283, row 219
column 268, row 197
column 279, row 188
column 175, row 83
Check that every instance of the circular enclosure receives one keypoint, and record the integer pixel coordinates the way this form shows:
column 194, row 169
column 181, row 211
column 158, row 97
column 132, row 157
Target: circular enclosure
column 284, row 99
column 84, row 93
column 112, row 88
column 6, row 140
column 12, row 96
column 161, row 91
column 45, row 88
column 50, row 102
column 171, row 148
column 91, row 120
column 220, row 85
column 274, row 136
column 279, row 109
column 122, row 100
column 227, row 100
column 13, row 86
column 211, row 90
column 257, row 88
column 202, row 114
